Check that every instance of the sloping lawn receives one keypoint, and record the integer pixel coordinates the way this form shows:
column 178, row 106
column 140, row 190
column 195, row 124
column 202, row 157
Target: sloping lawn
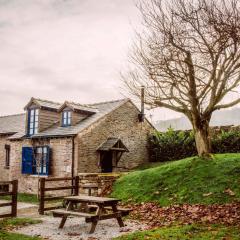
column 8, row 224
column 197, row 232
column 191, row 180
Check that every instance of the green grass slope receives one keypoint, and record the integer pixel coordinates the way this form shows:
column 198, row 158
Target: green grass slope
column 197, row 232
column 191, row 180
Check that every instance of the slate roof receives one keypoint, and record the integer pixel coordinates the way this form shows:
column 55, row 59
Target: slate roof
column 44, row 103
column 57, row 131
column 110, row 143
column 77, row 106
column 107, row 145
column 12, row 124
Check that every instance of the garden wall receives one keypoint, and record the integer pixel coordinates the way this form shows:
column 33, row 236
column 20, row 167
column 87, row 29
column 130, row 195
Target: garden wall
column 103, row 181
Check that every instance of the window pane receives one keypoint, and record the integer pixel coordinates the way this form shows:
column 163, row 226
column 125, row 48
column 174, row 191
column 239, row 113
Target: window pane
column 36, row 112
column 64, row 121
column 39, row 150
column 36, row 124
column 31, row 118
column 44, row 170
column 36, row 118
column 32, row 112
column 31, row 125
column 31, row 131
column 45, row 150
column 36, row 130
column 39, row 169
column 65, row 114
column 69, row 121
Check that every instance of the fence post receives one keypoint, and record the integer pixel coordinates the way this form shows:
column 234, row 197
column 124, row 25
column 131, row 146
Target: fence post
column 41, row 196
column 76, row 185
column 14, row 197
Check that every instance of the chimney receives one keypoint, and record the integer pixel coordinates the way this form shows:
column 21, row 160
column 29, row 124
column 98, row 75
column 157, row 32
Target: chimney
column 141, row 115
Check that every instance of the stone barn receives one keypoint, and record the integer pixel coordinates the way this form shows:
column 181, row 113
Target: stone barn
column 63, row 140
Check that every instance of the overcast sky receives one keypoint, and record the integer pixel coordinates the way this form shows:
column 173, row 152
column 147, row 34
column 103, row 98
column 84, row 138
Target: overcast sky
column 64, row 50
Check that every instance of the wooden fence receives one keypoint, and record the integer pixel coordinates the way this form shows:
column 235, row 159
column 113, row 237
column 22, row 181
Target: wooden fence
column 43, row 198
column 13, row 192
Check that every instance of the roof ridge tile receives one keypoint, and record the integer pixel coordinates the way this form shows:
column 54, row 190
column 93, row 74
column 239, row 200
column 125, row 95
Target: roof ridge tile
column 106, row 102
column 45, row 100
column 12, row 115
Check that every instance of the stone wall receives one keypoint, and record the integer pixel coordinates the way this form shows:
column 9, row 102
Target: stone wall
column 4, row 172
column 103, row 181
column 61, row 161
column 123, row 123
column 218, row 129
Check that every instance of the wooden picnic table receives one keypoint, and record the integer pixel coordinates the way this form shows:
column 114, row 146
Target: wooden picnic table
column 106, row 208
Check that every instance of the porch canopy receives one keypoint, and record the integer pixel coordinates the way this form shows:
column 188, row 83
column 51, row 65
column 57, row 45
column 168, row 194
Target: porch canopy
column 111, row 152
column 113, row 144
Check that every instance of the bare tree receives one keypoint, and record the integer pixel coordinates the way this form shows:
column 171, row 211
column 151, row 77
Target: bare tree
column 188, row 58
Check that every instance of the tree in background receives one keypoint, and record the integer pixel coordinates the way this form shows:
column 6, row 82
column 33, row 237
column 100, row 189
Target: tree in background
column 188, row 59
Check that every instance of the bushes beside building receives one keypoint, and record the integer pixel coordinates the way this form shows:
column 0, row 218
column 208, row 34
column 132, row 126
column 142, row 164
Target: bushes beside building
column 174, row 145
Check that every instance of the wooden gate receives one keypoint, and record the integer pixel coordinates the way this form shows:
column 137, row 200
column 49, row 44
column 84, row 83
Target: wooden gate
column 72, row 184
column 12, row 191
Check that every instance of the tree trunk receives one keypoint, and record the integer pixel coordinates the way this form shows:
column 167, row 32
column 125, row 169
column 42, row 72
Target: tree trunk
column 202, row 139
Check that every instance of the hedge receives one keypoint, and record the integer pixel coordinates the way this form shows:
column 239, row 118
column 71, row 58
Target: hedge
column 174, row 145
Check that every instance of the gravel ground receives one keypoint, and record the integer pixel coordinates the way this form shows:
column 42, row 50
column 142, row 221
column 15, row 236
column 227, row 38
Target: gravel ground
column 77, row 229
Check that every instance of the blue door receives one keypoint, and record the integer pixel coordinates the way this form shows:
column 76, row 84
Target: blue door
column 27, row 160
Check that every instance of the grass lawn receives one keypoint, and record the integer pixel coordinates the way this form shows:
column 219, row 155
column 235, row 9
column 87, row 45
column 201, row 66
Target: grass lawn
column 191, row 180
column 24, row 197
column 7, row 224
column 197, row 232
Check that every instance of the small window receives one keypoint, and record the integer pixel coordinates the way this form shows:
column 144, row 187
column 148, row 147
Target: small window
column 33, row 115
column 67, row 118
column 7, row 156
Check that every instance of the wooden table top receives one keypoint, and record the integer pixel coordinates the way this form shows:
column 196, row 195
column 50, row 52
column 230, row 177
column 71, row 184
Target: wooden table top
column 92, row 199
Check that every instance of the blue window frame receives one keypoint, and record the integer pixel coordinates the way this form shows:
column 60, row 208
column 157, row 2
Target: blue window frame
column 33, row 116
column 36, row 161
column 41, row 160
column 66, row 118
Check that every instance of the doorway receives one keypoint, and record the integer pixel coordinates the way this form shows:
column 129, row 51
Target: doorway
column 106, row 162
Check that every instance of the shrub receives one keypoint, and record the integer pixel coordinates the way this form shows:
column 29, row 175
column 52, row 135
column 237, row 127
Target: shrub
column 226, row 141
column 174, row 145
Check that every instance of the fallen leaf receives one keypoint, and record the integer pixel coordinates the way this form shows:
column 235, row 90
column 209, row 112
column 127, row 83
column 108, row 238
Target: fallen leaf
column 229, row 192
column 207, row 194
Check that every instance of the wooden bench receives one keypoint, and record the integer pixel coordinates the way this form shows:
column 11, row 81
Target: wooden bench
column 66, row 213
column 124, row 211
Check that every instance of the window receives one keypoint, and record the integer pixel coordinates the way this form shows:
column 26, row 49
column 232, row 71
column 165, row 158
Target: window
column 36, row 161
column 7, row 159
column 33, row 121
column 67, row 118
column 41, row 160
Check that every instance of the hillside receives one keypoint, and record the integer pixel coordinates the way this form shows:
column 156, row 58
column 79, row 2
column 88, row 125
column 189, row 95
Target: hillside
column 191, row 180
column 219, row 118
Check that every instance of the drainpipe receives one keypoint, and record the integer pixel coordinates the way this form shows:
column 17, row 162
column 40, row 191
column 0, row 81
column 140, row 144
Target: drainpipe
column 73, row 156
column 142, row 114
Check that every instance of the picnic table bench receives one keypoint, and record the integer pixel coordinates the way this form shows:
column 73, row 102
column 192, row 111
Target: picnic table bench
column 106, row 208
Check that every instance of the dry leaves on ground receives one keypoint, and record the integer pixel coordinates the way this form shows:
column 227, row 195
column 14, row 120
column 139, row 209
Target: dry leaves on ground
column 155, row 216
